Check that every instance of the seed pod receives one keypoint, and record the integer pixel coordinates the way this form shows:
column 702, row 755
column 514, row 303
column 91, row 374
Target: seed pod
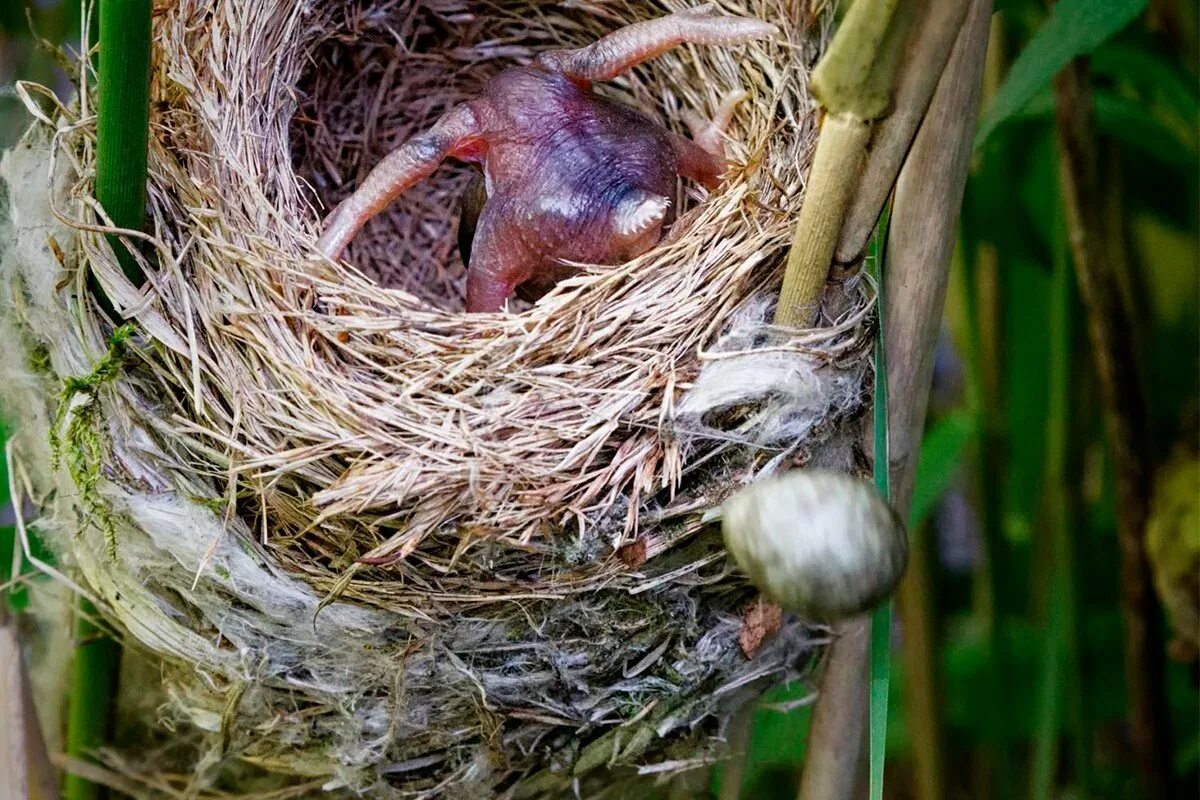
column 821, row 544
column 1173, row 549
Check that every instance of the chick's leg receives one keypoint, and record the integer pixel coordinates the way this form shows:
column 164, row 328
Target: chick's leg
column 499, row 261
column 455, row 134
column 624, row 49
column 702, row 158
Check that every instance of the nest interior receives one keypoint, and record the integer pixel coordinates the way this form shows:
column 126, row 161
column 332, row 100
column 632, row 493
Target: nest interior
column 390, row 70
column 377, row 542
column 389, row 73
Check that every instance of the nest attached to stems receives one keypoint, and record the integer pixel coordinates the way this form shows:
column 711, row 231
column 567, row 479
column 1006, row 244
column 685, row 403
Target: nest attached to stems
column 376, row 543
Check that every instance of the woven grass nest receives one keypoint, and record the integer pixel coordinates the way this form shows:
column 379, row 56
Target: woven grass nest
column 369, row 542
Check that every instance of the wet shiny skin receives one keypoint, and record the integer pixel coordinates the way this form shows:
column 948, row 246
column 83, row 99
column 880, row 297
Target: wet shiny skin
column 561, row 164
column 570, row 176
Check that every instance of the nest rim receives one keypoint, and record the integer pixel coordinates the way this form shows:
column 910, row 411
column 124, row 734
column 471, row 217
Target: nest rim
column 368, row 338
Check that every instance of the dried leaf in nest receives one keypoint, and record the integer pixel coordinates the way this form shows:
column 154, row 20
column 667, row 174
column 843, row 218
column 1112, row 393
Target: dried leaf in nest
column 761, row 621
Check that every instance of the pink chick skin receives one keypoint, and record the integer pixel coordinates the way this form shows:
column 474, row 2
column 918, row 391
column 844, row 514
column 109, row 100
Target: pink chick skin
column 570, row 176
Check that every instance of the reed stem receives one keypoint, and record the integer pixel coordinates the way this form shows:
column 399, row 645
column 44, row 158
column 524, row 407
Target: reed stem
column 920, row 245
column 122, row 134
column 921, row 233
column 25, row 770
column 839, row 153
column 1064, row 678
column 853, row 83
column 1110, row 329
column 123, row 123
column 93, row 689
column 925, row 54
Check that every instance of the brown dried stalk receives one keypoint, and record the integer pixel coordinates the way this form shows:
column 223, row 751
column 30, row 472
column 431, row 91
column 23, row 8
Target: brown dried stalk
column 920, row 244
column 25, row 771
column 1109, row 326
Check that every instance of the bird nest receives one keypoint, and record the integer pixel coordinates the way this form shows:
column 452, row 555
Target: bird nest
column 375, row 542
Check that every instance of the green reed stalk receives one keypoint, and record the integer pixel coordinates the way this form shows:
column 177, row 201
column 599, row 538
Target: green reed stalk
column 122, row 131
column 881, row 620
column 123, row 123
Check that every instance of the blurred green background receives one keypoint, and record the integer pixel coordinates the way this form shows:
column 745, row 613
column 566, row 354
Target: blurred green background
column 1014, row 533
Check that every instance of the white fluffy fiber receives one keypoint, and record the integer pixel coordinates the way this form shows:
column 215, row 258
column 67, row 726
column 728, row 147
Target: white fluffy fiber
column 174, row 544
column 783, row 386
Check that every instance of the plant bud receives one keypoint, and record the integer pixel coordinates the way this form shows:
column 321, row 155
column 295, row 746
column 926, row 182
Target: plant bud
column 823, row 545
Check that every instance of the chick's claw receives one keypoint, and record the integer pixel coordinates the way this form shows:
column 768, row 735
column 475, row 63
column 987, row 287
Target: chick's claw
column 569, row 176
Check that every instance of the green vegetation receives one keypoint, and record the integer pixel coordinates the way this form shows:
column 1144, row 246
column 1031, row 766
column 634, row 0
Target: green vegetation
column 1015, row 507
column 123, row 122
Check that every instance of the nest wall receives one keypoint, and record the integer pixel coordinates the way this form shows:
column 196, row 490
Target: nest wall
column 376, row 543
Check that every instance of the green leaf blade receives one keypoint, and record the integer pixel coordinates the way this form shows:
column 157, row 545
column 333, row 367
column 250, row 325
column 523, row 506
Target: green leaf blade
column 942, row 452
column 1074, row 28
